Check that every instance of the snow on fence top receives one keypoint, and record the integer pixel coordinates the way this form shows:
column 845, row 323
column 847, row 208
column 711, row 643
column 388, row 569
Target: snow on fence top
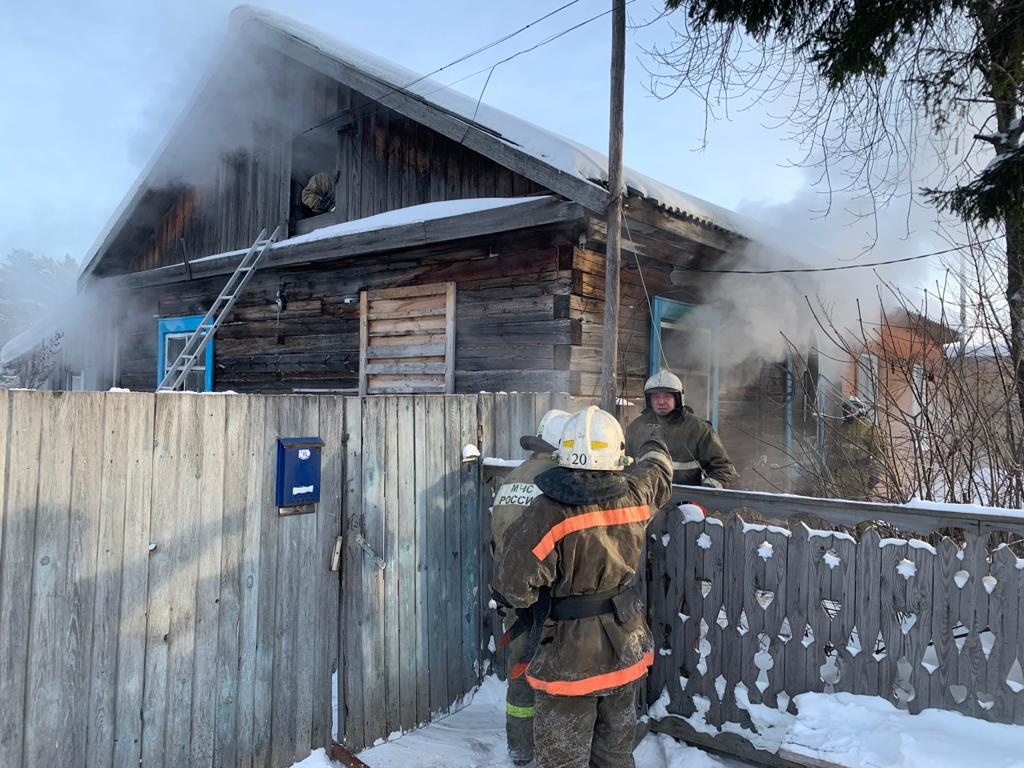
column 557, row 151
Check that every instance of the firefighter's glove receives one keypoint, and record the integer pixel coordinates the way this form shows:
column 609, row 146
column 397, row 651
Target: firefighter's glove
column 710, row 482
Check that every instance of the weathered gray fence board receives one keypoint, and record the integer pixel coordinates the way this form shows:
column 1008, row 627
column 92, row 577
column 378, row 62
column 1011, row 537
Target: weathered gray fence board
column 266, row 609
column 165, row 506
column 96, row 545
column 437, row 583
column 372, row 630
column 351, row 619
column 1018, row 709
column 236, row 454
column 1006, row 595
column 326, row 650
column 45, row 732
column 452, row 457
column 213, row 535
column 393, row 575
column 797, row 590
column 422, row 558
column 735, row 647
column 23, row 453
column 5, row 414
column 919, row 604
column 405, row 563
column 185, row 542
column 132, row 417
column 491, row 623
column 252, row 580
column 943, row 590
column 473, row 599
column 690, row 652
column 867, row 616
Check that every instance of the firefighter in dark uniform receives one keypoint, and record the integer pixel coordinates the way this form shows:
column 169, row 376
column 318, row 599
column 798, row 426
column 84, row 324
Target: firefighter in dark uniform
column 318, row 196
column 572, row 557
column 698, row 456
column 854, row 453
column 510, row 501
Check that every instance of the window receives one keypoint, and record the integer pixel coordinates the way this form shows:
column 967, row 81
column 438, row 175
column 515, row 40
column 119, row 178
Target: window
column 172, row 335
column 684, row 338
column 867, row 381
column 407, row 340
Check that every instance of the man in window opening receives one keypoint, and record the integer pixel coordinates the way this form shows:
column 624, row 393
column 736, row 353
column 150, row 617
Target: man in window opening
column 318, row 194
column 510, row 502
column 698, row 456
column 572, row 558
column 854, row 453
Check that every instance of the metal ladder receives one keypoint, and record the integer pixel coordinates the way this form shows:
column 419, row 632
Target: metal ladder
column 201, row 336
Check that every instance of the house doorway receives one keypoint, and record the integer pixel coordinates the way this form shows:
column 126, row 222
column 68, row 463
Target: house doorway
column 684, row 338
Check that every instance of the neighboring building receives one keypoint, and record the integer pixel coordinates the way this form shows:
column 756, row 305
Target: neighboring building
column 893, row 372
column 464, row 251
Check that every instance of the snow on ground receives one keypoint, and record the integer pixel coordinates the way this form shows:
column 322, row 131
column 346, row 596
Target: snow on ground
column 474, row 737
column 839, row 729
column 869, row 732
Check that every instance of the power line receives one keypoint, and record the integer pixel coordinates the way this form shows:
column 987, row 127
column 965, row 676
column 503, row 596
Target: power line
column 792, row 270
column 545, row 41
column 394, row 89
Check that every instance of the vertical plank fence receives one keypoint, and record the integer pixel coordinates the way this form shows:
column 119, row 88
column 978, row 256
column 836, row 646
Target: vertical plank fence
column 747, row 613
column 155, row 608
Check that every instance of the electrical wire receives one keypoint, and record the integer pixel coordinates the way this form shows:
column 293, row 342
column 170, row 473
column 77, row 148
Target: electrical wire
column 403, row 89
column 797, row 270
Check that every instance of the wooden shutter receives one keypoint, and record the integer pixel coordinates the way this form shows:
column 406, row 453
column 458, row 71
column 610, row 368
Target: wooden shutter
column 407, row 339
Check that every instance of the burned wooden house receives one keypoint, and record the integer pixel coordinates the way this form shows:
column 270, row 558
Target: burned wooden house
column 460, row 248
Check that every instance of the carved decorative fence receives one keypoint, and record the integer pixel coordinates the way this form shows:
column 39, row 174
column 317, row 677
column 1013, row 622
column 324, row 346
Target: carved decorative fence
column 746, row 613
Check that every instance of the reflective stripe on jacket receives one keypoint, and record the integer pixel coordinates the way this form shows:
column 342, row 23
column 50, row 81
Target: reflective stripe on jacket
column 693, row 443
column 584, row 535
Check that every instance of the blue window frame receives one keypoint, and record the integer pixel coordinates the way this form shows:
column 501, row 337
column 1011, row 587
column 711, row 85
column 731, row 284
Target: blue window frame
column 172, row 333
column 684, row 338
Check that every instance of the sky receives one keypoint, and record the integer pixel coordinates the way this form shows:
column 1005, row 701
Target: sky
column 91, row 88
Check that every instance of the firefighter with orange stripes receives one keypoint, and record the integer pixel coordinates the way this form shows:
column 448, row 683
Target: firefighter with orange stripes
column 511, row 499
column 572, row 558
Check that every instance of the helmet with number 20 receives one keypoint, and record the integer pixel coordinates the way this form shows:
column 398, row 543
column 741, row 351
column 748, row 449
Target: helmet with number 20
column 592, row 439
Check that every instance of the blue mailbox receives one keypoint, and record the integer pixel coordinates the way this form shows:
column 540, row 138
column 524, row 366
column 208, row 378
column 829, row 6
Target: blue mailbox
column 298, row 471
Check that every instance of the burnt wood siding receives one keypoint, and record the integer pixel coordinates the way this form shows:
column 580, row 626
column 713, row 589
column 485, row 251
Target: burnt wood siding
column 634, row 321
column 385, row 162
column 512, row 314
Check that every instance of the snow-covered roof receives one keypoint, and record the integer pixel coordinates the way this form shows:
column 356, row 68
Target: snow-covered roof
column 557, row 151
column 584, row 169
column 412, row 214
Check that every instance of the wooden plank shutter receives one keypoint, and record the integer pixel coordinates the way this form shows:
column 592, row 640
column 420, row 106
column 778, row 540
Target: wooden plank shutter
column 407, row 340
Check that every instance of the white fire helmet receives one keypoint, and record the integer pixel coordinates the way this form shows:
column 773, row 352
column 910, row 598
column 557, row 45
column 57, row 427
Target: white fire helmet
column 592, row 439
column 549, row 429
column 667, row 381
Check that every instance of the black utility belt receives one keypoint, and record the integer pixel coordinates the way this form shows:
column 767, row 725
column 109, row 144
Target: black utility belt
column 624, row 603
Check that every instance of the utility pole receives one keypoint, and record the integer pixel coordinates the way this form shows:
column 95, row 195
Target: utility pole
column 610, row 351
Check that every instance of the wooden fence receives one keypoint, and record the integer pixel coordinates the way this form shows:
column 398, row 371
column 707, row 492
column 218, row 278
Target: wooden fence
column 746, row 613
column 155, row 609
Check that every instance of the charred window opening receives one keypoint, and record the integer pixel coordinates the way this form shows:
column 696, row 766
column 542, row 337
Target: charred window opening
column 314, row 172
